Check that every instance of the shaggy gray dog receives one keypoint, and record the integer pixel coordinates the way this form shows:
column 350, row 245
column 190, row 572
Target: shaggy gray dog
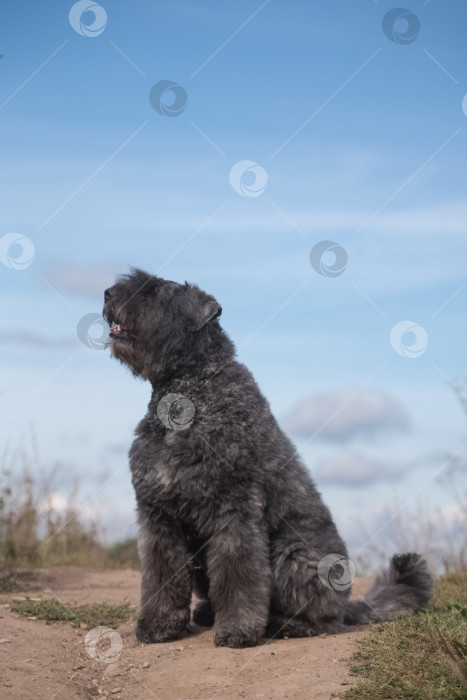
column 226, row 507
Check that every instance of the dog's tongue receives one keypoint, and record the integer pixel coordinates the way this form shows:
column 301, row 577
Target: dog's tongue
column 116, row 328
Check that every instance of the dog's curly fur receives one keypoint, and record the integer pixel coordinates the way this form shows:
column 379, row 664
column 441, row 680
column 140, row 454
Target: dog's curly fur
column 226, row 507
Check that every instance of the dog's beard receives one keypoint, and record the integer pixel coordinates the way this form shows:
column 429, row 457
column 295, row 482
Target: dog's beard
column 126, row 351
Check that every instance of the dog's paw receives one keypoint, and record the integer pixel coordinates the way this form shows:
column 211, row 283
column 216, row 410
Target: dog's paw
column 152, row 632
column 203, row 614
column 236, row 638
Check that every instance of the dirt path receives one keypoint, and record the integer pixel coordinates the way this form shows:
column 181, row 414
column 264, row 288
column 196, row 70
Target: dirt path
column 50, row 662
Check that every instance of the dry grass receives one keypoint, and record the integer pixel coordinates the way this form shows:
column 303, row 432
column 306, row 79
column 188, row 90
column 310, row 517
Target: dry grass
column 443, row 544
column 34, row 532
column 439, row 535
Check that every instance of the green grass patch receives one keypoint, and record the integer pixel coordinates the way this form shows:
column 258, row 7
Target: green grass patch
column 91, row 615
column 418, row 657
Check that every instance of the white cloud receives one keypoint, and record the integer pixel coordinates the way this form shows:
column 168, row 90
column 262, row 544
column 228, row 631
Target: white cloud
column 342, row 415
column 351, row 468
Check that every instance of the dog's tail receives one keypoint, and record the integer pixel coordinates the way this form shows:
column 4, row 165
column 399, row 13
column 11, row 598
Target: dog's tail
column 404, row 588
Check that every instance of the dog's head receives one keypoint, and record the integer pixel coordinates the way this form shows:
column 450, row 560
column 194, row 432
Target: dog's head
column 158, row 326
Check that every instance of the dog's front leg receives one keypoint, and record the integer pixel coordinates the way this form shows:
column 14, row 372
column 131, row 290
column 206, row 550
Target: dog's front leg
column 165, row 586
column 240, row 582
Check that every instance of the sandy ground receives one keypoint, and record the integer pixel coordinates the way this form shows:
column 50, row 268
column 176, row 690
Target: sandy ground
column 47, row 662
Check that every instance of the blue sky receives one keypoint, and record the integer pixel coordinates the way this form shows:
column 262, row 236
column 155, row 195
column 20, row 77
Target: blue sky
column 363, row 143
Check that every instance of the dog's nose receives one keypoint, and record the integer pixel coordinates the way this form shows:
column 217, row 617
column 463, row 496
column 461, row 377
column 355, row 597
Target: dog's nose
column 107, row 295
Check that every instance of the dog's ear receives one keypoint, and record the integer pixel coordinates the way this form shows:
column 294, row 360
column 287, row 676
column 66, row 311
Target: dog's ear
column 203, row 308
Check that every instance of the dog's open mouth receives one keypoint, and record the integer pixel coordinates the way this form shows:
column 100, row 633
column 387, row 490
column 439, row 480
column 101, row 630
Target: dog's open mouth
column 118, row 331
